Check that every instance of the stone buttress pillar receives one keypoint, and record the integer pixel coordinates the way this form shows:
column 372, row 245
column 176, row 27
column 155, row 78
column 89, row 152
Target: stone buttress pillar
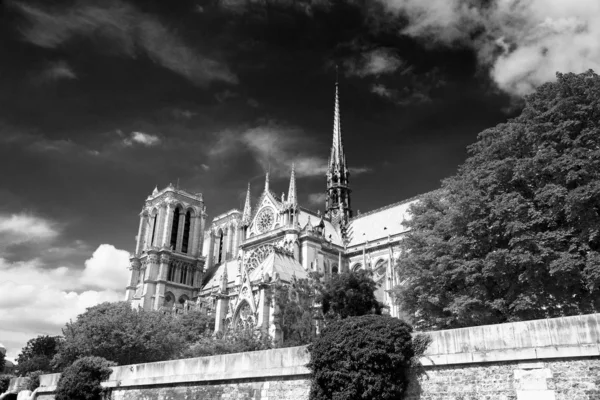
column 134, row 267
column 161, row 281
column 149, row 281
column 263, row 308
column 274, row 318
column 160, row 226
column 168, row 225
column 196, row 235
column 141, row 233
column 221, row 312
column 211, row 249
column 180, row 229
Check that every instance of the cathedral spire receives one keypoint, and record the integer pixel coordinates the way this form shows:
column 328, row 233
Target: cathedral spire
column 292, row 197
column 337, row 158
column 247, row 208
column 337, row 203
column 267, row 182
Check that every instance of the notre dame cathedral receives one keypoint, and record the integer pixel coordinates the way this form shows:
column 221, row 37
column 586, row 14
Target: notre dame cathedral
column 228, row 267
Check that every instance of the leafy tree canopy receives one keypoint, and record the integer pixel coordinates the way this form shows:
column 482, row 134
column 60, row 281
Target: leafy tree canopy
column 118, row 333
column 515, row 234
column 366, row 357
column 350, row 294
column 37, row 354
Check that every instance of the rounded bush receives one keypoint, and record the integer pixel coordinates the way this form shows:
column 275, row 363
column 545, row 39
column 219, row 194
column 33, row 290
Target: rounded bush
column 366, row 357
column 81, row 380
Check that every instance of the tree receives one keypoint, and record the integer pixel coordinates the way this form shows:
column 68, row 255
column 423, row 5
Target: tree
column 296, row 303
column 2, row 361
column 366, row 357
column 37, row 354
column 350, row 294
column 515, row 234
column 81, row 380
column 118, row 333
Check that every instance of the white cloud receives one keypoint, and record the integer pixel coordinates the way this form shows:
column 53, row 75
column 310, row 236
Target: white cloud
column 22, row 227
column 524, row 42
column 383, row 91
column 107, row 269
column 142, row 138
column 375, row 62
column 37, row 300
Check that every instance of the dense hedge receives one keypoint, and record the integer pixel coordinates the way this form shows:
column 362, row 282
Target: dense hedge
column 5, row 382
column 81, row 380
column 366, row 357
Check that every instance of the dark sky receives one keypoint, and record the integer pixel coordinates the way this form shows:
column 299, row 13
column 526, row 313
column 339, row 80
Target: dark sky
column 217, row 92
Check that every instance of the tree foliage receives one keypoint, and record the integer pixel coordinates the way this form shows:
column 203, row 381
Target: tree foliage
column 296, row 303
column 515, row 234
column 236, row 340
column 118, row 333
column 350, row 294
column 366, row 357
column 37, row 355
column 81, row 380
column 2, row 361
column 5, row 381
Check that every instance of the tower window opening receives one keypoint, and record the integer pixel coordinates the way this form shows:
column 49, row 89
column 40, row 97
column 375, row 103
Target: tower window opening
column 186, row 232
column 153, row 230
column 171, row 273
column 175, row 229
column 220, row 259
column 184, row 275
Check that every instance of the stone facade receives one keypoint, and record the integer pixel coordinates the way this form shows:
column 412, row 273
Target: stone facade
column 288, row 388
column 568, row 379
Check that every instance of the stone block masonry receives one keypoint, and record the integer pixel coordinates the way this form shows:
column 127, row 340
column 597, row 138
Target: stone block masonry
column 552, row 359
column 283, row 388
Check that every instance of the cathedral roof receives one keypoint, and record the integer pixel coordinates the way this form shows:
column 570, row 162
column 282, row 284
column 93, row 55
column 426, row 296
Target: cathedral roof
column 281, row 263
column 370, row 226
column 214, row 275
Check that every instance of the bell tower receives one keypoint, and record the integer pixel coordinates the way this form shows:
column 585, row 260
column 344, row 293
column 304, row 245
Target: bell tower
column 337, row 202
column 167, row 264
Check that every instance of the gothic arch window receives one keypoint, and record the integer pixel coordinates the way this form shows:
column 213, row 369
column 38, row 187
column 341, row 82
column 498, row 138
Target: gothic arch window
column 175, row 228
column 186, row 232
column 169, row 300
column 334, row 270
column 357, row 267
column 221, row 244
column 379, row 270
column 154, row 217
column 171, row 273
column 258, row 255
column 244, row 317
column 183, row 299
column 184, row 275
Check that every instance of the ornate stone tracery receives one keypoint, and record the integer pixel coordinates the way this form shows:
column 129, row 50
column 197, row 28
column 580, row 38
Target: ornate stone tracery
column 255, row 257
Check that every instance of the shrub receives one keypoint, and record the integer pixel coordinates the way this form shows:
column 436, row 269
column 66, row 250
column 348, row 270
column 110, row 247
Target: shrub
column 81, row 380
column 34, row 380
column 5, row 381
column 365, row 357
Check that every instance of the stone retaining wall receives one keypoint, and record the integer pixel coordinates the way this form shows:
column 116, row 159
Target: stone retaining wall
column 553, row 359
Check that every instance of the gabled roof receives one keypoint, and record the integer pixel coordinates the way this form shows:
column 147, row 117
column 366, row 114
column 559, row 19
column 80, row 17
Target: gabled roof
column 279, row 262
